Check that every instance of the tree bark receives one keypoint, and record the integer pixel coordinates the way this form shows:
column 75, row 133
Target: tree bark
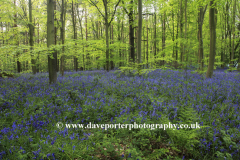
column 229, row 30
column 52, row 65
column 106, row 33
column 200, row 41
column 38, row 60
column 233, row 31
column 212, row 24
column 185, row 33
column 17, row 40
column 74, row 36
column 63, row 16
column 139, row 32
column 31, row 42
column 147, row 42
column 111, row 55
column 87, row 58
column 81, row 29
column 181, row 30
column 163, row 36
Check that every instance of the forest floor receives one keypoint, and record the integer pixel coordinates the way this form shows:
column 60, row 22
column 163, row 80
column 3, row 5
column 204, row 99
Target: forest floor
column 32, row 113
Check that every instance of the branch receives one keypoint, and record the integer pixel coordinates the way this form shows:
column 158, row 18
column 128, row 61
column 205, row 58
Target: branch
column 92, row 3
column 114, row 12
column 148, row 13
column 125, row 8
column 58, row 3
column 204, row 13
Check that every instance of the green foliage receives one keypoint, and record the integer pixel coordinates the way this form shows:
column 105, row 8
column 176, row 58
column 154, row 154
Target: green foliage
column 133, row 70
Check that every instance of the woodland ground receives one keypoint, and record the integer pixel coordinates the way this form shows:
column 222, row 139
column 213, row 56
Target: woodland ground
column 30, row 109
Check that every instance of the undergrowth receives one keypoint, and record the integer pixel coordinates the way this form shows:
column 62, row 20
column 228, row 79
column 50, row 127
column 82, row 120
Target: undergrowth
column 31, row 109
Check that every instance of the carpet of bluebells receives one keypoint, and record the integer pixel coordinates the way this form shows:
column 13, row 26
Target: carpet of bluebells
column 30, row 109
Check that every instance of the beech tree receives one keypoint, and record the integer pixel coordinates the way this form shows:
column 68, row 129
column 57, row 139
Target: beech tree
column 52, row 63
column 31, row 42
column 201, row 14
column 131, row 30
column 107, row 24
column 212, row 25
column 139, row 31
column 63, row 20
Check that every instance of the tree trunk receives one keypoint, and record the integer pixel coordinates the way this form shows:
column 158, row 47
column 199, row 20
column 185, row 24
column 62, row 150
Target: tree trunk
column 81, row 29
column 173, row 38
column 119, row 39
column 155, row 33
column 106, row 33
column 52, row 65
column 181, row 31
column 212, row 25
column 63, row 15
column 38, row 60
column 185, row 33
column 229, row 31
column 17, row 40
column 163, row 36
column 176, row 53
column 131, row 33
column 74, row 36
column 87, row 56
column 111, row 54
column 139, row 32
column 124, row 50
column 147, row 42
column 200, row 47
column 233, row 30
column 31, row 30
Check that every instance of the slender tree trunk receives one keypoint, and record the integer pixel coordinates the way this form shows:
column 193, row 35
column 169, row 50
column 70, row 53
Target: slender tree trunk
column 139, row 32
column 38, row 60
column 155, row 33
column 147, row 43
column 233, row 30
column 226, row 34
column 26, row 33
column 17, row 40
column 212, row 24
column 176, row 53
column 50, row 41
column 123, row 51
column 181, row 31
column 81, row 29
column 63, row 15
column 131, row 33
column 173, row 38
column 163, row 36
column 200, row 47
column 55, row 37
column 106, row 32
column 229, row 31
column 185, row 33
column 119, row 39
column 111, row 54
column 74, row 36
column 87, row 56
column 31, row 42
